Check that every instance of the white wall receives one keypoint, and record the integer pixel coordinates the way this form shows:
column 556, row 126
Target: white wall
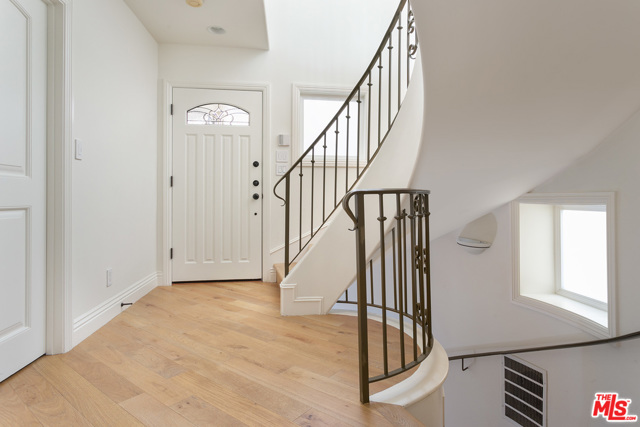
column 473, row 310
column 114, row 74
column 517, row 91
column 322, row 43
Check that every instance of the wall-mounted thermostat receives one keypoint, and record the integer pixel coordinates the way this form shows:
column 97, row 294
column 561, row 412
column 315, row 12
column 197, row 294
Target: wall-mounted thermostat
column 284, row 140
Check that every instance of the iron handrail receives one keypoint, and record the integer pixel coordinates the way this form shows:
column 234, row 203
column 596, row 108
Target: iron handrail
column 408, row 290
column 462, row 357
column 348, row 196
column 355, row 95
column 350, row 97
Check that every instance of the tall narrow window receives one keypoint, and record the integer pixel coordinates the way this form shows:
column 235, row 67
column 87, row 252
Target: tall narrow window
column 218, row 114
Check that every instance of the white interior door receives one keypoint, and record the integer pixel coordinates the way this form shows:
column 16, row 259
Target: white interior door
column 23, row 119
column 217, row 184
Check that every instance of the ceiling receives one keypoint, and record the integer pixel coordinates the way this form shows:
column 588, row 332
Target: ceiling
column 517, row 91
column 173, row 21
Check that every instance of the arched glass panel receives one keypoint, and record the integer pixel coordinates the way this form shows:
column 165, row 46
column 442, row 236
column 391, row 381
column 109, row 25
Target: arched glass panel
column 218, row 114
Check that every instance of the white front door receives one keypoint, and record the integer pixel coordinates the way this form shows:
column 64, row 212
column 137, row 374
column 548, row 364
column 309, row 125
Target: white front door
column 23, row 120
column 217, row 185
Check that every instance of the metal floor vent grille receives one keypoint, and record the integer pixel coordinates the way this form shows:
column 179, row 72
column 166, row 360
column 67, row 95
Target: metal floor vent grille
column 524, row 393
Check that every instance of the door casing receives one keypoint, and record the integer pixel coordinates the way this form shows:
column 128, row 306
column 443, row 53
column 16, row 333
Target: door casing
column 165, row 167
column 212, row 174
column 58, row 251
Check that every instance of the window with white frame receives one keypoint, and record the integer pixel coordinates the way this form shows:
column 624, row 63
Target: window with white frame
column 313, row 109
column 564, row 257
column 581, row 248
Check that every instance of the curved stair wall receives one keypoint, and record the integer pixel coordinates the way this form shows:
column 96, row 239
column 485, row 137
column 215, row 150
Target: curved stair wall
column 328, row 268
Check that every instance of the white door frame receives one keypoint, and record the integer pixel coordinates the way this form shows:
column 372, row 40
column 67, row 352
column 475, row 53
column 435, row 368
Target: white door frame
column 165, row 166
column 58, row 251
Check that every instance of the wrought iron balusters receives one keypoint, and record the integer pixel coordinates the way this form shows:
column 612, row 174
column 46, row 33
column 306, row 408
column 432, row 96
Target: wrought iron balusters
column 369, row 128
column 407, row 234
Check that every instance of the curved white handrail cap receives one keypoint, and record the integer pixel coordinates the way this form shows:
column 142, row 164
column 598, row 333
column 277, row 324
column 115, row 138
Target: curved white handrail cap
column 427, row 379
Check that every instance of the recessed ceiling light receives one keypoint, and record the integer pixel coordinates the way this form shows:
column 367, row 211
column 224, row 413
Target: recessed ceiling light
column 216, row 30
column 194, row 3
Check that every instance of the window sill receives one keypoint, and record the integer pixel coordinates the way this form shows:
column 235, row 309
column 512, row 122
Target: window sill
column 586, row 317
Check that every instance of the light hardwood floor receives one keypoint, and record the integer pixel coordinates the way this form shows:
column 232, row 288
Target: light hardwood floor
column 214, row 354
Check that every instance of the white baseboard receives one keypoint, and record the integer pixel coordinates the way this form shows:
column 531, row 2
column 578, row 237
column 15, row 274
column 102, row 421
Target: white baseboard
column 291, row 305
column 94, row 319
column 161, row 281
column 271, row 278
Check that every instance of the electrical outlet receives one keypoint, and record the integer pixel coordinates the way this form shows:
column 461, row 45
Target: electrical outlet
column 109, row 277
column 281, row 169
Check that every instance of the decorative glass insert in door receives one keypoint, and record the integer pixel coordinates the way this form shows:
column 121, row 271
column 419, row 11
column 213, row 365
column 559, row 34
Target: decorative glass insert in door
column 218, row 114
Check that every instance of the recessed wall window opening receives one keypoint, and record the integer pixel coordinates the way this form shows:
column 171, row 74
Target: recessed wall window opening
column 218, row 114
column 563, row 247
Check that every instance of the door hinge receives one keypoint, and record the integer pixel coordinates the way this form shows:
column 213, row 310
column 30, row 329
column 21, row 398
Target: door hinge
column 172, row 109
column 171, row 253
column 171, row 181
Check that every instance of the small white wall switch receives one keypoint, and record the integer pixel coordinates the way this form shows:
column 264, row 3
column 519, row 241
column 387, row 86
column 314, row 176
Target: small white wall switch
column 282, row 156
column 78, row 149
column 109, row 277
column 284, row 140
column 281, row 169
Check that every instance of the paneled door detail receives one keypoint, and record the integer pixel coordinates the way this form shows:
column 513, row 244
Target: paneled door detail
column 23, row 119
column 217, row 184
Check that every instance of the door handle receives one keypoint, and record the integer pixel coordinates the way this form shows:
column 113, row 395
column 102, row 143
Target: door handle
column 256, row 196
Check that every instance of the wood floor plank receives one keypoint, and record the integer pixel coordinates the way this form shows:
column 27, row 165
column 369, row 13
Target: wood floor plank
column 153, row 413
column 320, row 383
column 13, row 411
column 134, row 329
column 101, row 376
column 156, row 362
column 201, row 413
column 44, row 401
column 273, row 311
column 246, row 291
column 150, row 382
column 170, row 339
column 96, row 407
column 231, row 403
column 350, row 410
column 140, row 352
column 275, row 401
column 316, row 418
column 207, row 354
column 190, row 356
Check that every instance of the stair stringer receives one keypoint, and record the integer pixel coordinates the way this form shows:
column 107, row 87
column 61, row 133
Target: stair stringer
column 329, row 267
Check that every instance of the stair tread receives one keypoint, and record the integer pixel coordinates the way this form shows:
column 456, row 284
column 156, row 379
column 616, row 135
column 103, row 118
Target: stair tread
column 280, row 271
